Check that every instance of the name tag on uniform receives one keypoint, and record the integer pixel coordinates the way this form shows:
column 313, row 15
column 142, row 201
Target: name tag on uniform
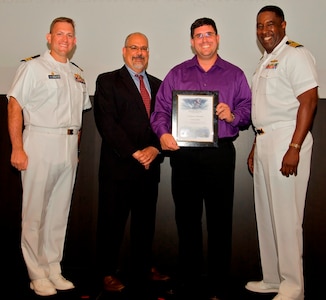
column 54, row 76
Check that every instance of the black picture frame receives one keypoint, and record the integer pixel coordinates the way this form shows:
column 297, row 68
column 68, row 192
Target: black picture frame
column 194, row 121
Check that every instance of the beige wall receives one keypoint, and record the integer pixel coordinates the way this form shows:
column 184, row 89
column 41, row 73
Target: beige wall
column 102, row 26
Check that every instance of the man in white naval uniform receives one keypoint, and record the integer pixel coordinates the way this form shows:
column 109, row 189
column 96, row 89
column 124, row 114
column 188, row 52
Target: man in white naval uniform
column 284, row 100
column 48, row 96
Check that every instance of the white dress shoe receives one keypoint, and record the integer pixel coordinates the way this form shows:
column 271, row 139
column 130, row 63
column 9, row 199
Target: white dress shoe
column 262, row 287
column 61, row 283
column 43, row 287
column 282, row 297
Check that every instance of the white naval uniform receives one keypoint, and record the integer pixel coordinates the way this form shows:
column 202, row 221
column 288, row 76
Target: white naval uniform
column 52, row 100
column 280, row 77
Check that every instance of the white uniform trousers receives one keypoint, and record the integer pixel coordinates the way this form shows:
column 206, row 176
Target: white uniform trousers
column 279, row 204
column 47, row 189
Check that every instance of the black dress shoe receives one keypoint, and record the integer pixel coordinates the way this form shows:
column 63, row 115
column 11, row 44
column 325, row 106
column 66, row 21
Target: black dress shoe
column 112, row 284
column 213, row 298
column 140, row 292
column 157, row 276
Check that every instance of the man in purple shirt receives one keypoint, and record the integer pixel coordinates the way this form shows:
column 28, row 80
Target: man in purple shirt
column 204, row 174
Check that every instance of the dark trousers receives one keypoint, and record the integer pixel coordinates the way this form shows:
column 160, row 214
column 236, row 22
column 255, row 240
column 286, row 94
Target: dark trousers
column 118, row 199
column 204, row 176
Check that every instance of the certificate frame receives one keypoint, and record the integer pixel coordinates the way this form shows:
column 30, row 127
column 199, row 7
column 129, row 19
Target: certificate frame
column 194, row 121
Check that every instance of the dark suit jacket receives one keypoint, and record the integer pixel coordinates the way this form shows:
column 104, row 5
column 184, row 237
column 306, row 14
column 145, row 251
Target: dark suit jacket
column 124, row 126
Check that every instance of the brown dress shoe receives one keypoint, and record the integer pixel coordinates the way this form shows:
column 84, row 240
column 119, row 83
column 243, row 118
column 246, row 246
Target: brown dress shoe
column 157, row 276
column 113, row 284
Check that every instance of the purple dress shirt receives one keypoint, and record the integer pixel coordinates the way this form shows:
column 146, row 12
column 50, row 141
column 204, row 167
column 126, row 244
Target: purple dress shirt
column 224, row 77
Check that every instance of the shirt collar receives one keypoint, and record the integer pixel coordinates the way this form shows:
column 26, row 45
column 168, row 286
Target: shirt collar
column 133, row 73
column 219, row 63
column 278, row 48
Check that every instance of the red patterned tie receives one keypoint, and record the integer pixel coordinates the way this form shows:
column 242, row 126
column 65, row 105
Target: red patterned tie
column 145, row 95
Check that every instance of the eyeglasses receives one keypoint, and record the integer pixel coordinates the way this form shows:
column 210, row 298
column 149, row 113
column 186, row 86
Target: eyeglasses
column 206, row 35
column 136, row 48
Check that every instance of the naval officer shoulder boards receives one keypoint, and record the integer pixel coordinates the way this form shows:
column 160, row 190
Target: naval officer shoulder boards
column 77, row 66
column 30, row 58
column 293, row 44
column 38, row 55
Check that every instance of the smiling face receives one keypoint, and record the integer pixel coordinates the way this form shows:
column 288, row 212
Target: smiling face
column 205, row 42
column 270, row 30
column 61, row 40
column 135, row 52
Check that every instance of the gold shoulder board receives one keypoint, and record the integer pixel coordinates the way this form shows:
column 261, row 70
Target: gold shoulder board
column 77, row 66
column 30, row 58
column 293, row 44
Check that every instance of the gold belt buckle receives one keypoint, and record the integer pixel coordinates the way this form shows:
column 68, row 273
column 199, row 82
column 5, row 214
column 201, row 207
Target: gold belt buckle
column 70, row 131
column 259, row 131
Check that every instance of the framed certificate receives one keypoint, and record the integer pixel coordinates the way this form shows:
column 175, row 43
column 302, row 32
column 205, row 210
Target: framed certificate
column 194, row 122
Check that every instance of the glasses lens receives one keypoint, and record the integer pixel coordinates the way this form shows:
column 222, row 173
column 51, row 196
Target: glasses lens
column 206, row 34
column 136, row 48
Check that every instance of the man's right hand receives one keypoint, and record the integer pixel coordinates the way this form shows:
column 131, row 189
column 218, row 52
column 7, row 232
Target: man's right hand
column 168, row 142
column 19, row 159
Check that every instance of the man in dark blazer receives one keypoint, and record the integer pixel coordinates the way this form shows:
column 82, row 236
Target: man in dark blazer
column 129, row 170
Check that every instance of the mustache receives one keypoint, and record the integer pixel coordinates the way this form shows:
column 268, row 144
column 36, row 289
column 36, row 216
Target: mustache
column 138, row 57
